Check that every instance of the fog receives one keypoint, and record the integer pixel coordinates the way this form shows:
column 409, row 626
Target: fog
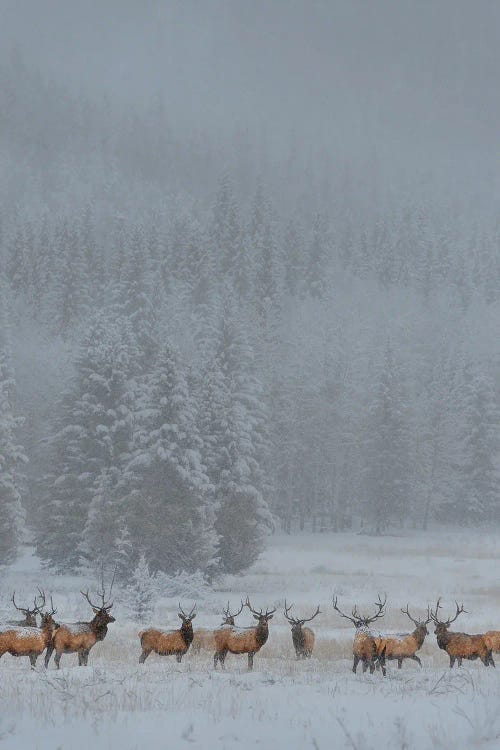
column 411, row 84
column 250, row 275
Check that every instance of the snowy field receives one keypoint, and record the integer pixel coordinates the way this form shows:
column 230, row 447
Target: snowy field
column 319, row 704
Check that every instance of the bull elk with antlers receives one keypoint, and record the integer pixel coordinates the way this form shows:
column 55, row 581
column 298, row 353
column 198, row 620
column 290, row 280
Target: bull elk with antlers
column 303, row 638
column 243, row 640
column 169, row 642
column 205, row 639
column 405, row 648
column 460, row 646
column 80, row 637
column 29, row 641
column 29, row 614
column 364, row 648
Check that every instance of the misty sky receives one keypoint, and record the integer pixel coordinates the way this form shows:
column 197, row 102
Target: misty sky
column 413, row 80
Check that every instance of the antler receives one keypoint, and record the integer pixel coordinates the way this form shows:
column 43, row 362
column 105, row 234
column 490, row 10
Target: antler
column 434, row 618
column 259, row 614
column 185, row 616
column 355, row 617
column 87, row 597
column 52, row 608
column 434, row 615
column 227, row 612
column 460, row 609
column 20, row 609
column 406, row 612
column 291, row 620
column 380, row 613
column 311, row 618
column 38, row 607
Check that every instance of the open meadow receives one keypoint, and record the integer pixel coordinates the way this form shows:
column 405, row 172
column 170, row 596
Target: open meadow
column 317, row 703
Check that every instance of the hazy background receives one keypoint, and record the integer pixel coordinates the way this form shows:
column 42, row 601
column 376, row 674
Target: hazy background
column 250, row 274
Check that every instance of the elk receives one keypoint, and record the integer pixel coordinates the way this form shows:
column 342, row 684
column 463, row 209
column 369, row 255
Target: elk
column 169, row 642
column 205, row 639
column 405, row 647
column 302, row 638
column 243, row 640
column 29, row 641
column 80, row 637
column 29, row 614
column 364, row 648
column 460, row 646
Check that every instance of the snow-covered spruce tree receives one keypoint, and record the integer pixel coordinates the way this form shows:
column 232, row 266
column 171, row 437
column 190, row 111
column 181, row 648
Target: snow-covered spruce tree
column 481, row 451
column 11, row 453
column 134, row 300
column 170, row 517
column 225, row 229
column 140, row 590
column 233, row 423
column 317, row 263
column 92, row 436
column 387, row 449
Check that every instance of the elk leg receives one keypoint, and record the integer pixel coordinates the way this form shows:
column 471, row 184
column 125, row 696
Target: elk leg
column 85, row 657
column 355, row 664
column 57, row 658
column 452, row 661
column 416, row 658
column 33, row 658
column 179, row 658
column 400, row 663
column 459, row 661
column 144, row 656
column 48, row 654
column 490, row 659
column 250, row 660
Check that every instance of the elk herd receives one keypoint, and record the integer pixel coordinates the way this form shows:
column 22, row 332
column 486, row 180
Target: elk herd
column 26, row 637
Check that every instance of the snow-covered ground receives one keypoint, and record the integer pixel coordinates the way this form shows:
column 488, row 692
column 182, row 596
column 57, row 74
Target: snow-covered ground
column 115, row 702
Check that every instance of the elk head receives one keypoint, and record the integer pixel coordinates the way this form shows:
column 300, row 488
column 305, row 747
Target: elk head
column 419, row 624
column 103, row 617
column 443, row 625
column 48, row 617
column 228, row 617
column 262, row 617
column 186, row 619
column 359, row 620
column 30, row 614
column 295, row 622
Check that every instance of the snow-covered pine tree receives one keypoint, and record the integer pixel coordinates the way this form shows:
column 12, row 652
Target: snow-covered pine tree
column 92, row 435
column 170, row 517
column 233, row 424
column 387, row 448
column 12, row 455
column 140, row 590
column 481, row 450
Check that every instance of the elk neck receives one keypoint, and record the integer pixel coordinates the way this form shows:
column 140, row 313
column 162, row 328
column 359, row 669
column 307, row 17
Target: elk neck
column 419, row 634
column 261, row 633
column 187, row 632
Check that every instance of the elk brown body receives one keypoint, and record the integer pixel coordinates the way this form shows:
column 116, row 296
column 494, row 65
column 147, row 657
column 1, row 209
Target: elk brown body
column 242, row 640
column 80, row 637
column 492, row 639
column 168, row 642
column 461, row 646
column 205, row 639
column 406, row 647
column 364, row 647
column 28, row 641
